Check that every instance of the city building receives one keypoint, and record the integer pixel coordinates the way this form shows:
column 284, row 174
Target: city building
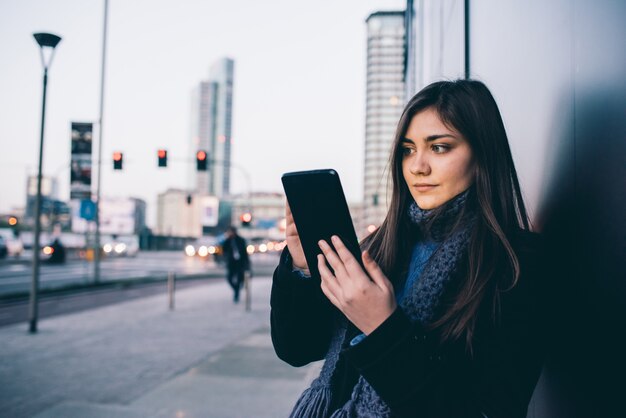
column 212, row 103
column 182, row 213
column 385, row 97
column 259, row 215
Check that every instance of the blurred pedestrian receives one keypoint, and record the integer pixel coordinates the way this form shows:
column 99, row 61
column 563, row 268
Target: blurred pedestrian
column 447, row 318
column 237, row 260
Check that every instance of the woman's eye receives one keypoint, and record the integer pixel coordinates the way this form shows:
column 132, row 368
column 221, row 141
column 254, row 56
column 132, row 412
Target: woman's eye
column 440, row 148
column 407, row 151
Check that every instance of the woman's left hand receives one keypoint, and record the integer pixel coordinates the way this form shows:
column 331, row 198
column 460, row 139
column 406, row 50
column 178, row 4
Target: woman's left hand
column 366, row 299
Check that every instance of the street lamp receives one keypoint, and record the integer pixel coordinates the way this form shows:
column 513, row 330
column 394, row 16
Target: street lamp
column 47, row 42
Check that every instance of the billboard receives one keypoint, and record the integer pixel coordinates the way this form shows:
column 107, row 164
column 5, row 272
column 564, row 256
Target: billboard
column 209, row 206
column 80, row 169
column 118, row 216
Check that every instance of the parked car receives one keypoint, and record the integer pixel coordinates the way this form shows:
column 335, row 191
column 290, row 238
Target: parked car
column 13, row 244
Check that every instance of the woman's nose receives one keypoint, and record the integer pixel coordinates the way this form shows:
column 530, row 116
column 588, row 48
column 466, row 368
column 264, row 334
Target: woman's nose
column 419, row 164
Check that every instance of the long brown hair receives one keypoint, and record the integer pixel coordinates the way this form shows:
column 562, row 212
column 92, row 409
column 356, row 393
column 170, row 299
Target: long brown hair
column 492, row 265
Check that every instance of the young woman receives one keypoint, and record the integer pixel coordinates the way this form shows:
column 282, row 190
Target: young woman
column 446, row 320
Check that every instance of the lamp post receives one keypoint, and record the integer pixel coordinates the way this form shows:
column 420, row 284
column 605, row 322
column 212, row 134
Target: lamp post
column 47, row 42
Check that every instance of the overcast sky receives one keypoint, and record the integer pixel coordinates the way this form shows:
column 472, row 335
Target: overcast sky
column 299, row 98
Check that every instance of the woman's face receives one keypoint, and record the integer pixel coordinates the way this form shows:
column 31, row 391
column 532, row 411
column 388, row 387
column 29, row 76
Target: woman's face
column 437, row 162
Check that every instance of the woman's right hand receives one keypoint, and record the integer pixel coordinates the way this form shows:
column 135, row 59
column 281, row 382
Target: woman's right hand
column 293, row 243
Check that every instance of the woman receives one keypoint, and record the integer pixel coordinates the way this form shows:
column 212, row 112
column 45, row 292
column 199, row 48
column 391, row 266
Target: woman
column 446, row 319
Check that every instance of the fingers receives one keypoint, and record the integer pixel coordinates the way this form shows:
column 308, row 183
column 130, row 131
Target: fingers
column 346, row 256
column 375, row 272
column 333, row 259
column 330, row 287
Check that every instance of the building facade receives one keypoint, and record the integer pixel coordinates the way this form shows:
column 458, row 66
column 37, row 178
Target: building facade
column 212, row 103
column 385, row 97
column 182, row 213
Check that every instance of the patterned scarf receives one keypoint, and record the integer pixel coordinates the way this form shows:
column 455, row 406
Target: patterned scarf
column 419, row 304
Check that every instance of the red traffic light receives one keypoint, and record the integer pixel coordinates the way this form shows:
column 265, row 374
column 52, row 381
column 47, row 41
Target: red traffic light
column 118, row 159
column 201, row 160
column 162, row 154
column 246, row 218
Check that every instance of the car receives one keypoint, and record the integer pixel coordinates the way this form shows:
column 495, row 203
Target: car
column 207, row 247
column 54, row 253
column 13, row 244
column 125, row 246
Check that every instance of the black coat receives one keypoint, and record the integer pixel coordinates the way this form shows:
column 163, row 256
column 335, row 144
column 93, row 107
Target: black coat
column 243, row 261
column 410, row 370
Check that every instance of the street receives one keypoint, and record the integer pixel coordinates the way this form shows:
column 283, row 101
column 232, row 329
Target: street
column 15, row 277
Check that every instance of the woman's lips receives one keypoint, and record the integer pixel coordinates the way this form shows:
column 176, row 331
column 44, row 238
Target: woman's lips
column 423, row 187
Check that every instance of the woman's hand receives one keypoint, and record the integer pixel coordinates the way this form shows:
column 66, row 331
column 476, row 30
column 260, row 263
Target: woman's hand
column 366, row 302
column 294, row 244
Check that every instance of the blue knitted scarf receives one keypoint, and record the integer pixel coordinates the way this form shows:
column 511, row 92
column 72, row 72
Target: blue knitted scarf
column 419, row 303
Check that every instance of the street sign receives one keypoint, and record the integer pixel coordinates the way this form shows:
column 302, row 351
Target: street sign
column 88, row 209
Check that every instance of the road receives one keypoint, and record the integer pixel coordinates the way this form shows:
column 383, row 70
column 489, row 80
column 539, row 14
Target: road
column 16, row 277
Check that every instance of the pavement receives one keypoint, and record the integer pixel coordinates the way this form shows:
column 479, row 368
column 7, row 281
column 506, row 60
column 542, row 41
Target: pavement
column 206, row 358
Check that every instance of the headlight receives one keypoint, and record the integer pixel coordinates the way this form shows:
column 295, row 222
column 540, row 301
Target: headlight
column 119, row 248
column 250, row 249
column 262, row 248
column 48, row 250
column 107, row 248
column 212, row 249
column 190, row 251
column 203, row 251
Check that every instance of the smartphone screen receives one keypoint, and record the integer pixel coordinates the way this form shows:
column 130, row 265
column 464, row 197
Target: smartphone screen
column 320, row 211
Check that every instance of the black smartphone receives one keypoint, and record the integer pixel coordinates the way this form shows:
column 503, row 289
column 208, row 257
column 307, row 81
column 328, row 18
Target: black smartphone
column 320, row 211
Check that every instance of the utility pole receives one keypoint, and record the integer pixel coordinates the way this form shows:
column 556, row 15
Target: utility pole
column 96, row 264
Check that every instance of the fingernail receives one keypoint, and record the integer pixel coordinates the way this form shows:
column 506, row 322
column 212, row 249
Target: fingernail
column 321, row 243
column 335, row 238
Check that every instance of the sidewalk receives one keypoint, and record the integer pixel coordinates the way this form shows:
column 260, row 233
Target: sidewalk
column 207, row 358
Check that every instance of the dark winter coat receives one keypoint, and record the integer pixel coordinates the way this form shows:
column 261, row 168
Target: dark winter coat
column 410, row 370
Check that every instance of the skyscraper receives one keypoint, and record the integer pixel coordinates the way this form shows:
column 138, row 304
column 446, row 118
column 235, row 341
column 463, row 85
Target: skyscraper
column 385, row 97
column 211, row 127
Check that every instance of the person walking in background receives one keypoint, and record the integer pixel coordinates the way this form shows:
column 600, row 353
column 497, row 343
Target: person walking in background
column 237, row 260
column 448, row 316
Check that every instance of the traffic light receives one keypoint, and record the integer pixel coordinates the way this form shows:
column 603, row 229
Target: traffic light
column 12, row 221
column 118, row 159
column 246, row 218
column 202, row 160
column 162, row 155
